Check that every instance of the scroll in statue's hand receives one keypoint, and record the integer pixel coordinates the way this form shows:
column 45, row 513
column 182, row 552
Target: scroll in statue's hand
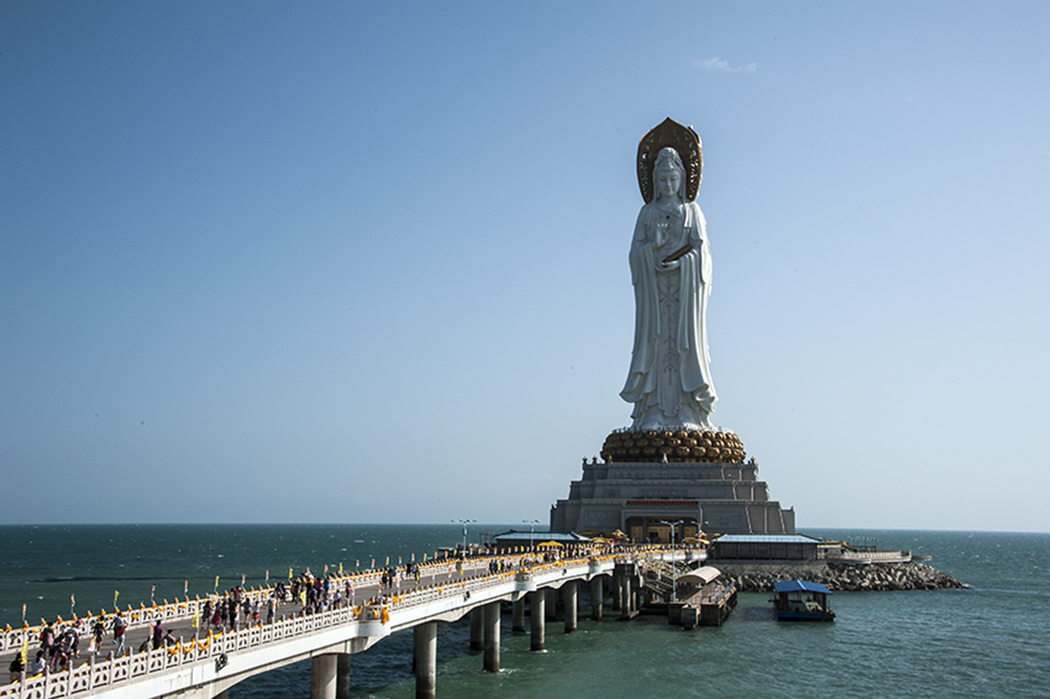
column 678, row 253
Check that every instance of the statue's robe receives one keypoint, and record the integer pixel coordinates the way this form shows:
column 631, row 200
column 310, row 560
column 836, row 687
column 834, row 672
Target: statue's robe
column 669, row 381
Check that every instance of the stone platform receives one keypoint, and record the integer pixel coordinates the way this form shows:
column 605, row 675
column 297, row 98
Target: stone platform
column 636, row 496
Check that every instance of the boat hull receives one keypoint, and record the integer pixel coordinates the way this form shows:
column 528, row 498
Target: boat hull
column 805, row 616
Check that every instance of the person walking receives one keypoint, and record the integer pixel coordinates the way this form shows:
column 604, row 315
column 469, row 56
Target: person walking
column 119, row 628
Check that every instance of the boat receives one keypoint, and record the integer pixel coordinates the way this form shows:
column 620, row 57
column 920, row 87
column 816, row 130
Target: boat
column 801, row 600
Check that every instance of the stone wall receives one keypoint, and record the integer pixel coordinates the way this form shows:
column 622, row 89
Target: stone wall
column 759, row 576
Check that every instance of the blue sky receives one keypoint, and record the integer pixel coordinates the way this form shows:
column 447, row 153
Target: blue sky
column 367, row 262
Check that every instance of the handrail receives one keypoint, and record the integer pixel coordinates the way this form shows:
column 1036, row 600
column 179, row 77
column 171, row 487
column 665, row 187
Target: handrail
column 94, row 673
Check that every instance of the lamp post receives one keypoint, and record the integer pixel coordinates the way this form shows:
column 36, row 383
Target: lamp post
column 532, row 529
column 674, row 574
column 465, row 522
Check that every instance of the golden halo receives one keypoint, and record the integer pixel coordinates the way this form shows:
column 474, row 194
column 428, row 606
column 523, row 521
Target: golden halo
column 684, row 140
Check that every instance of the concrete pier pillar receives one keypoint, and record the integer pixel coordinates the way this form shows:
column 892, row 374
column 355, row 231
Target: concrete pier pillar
column 323, row 670
column 537, row 618
column 518, row 614
column 477, row 621
column 493, row 613
column 617, row 590
column 342, row 677
column 552, row 604
column 597, row 597
column 570, row 599
column 626, row 596
column 425, row 656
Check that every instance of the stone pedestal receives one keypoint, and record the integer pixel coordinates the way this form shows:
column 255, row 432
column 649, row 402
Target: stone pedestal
column 635, row 497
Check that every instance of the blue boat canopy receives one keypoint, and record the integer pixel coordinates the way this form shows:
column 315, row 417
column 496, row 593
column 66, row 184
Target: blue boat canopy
column 801, row 586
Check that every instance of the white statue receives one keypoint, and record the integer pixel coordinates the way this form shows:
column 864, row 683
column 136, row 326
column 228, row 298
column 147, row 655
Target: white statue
column 670, row 376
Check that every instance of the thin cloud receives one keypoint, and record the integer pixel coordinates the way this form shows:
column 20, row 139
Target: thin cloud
column 717, row 65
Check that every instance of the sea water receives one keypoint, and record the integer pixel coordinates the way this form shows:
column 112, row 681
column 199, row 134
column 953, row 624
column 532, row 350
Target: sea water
column 990, row 640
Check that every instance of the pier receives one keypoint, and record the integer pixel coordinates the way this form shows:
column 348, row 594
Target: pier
column 205, row 665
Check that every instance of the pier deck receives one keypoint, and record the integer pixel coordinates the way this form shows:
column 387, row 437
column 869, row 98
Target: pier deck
column 204, row 665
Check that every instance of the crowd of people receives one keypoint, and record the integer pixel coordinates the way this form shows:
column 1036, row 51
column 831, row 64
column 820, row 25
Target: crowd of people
column 239, row 608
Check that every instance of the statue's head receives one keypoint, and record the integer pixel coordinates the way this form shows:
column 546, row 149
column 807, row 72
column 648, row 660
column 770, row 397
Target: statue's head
column 668, row 174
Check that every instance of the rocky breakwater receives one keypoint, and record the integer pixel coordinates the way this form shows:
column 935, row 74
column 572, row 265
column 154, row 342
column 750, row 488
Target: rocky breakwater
column 841, row 578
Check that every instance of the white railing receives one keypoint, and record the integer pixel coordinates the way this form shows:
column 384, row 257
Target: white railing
column 98, row 673
column 167, row 612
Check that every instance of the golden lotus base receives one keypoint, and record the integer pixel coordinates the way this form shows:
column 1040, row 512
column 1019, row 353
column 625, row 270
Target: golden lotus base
column 697, row 446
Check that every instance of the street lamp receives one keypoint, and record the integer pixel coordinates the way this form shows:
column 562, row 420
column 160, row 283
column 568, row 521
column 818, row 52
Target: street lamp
column 532, row 529
column 465, row 522
column 674, row 574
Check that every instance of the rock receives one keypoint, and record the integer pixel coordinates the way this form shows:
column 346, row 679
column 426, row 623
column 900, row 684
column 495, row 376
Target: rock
column 842, row 578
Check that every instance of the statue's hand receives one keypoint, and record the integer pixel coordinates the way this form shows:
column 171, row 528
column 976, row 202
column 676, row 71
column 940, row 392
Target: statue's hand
column 668, row 266
column 661, row 233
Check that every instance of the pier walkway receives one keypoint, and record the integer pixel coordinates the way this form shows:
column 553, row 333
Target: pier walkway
column 204, row 664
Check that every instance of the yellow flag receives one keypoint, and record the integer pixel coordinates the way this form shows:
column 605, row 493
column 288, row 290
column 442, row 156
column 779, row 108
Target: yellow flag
column 216, row 583
column 25, row 650
column 340, row 568
column 289, row 573
column 197, row 619
column 116, row 594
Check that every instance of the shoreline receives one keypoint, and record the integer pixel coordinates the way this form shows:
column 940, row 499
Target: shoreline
column 759, row 576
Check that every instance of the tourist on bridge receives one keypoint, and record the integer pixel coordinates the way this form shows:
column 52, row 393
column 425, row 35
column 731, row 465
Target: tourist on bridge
column 47, row 639
column 37, row 666
column 59, row 656
column 98, row 630
column 16, row 667
column 119, row 627
column 158, row 635
column 218, row 616
column 71, row 640
column 271, row 610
